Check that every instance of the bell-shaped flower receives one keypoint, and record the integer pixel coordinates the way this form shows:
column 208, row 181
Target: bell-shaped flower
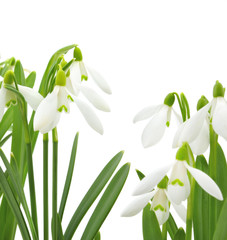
column 159, row 203
column 178, row 188
column 160, row 119
column 78, row 75
column 49, row 111
column 8, row 98
column 195, row 131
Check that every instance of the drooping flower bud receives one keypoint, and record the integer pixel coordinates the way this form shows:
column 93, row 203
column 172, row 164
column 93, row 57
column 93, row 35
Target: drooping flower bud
column 218, row 90
column 202, row 102
column 77, row 54
column 169, row 100
column 9, row 77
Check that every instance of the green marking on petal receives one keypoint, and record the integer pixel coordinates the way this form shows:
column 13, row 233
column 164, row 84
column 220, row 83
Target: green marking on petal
column 159, row 207
column 167, row 123
column 69, row 97
column 63, row 107
column 11, row 102
column 84, row 77
column 177, row 181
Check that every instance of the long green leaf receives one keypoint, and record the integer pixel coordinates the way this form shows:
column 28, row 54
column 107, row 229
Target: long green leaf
column 68, row 176
column 19, row 73
column 171, row 226
column 4, row 140
column 50, row 66
column 201, row 205
column 59, row 227
column 151, row 228
column 30, row 80
column 92, row 194
column 221, row 229
column 221, row 176
column 106, row 203
column 6, row 121
column 17, row 186
column 180, row 234
column 98, row 236
column 14, row 205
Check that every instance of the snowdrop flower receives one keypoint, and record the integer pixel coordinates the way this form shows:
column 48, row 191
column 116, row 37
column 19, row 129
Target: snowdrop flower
column 160, row 118
column 160, row 204
column 78, row 74
column 178, row 188
column 8, row 98
column 195, row 131
column 49, row 111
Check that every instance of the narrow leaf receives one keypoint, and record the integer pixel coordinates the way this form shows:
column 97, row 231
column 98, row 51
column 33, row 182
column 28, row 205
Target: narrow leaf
column 30, row 80
column 151, row 228
column 98, row 236
column 171, row 226
column 14, row 205
column 140, row 174
column 19, row 73
column 59, row 228
column 92, row 194
column 6, row 121
column 106, row 203
column 68, row 176
column 221, row 229
column 180, row 234
column 2, row 142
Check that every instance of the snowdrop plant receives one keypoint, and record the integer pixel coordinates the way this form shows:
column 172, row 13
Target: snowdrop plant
column 61, row 86
column 191, row 177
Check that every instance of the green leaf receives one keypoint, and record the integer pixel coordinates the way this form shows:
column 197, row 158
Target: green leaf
column 221, row 229
column 98, row 236
column 221, row 179
column 14, row 206
column 171, row 226
column 59, row 227
column 92, row 194
column 30, row 80
column 140, row 174
column 180, row 234
column 151, row 228
column 68, row 176
column 19, row 73
column 50, row 66
column 201, row 205
column 2, row 142
column 6, row 121
column 106, row 203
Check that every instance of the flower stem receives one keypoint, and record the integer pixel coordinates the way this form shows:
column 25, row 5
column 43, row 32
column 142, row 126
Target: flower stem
column 213, row 175
column 164, row 231
column 54, row 183
column 45, row 188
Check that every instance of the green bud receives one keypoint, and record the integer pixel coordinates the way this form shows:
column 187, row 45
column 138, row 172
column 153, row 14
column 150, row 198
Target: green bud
column 218, row 90
column 12, row 61
column 169, row 100
column 60, row 78
column 9, row 77
column 164, row 182
column 77, row 54
column 202, row 102
column 182, row 153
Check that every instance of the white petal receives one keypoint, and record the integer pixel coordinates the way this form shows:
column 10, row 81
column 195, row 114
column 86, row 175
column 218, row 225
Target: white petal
column 191, row 128
column 162, row 216
column 99, row 80
column 155, row 129
column 177, row 193
column 75, row 76
column 205, row 182
column 137, row 204
column 89, row 116
column 219, row 121
column 64, row 99
column 74, row 90
column 181, row 211
column 146, row 113
column 176, row 139
column 2, row 101
column 47, row 112
column 52, row 124
column 201, row 143
column 178, row 117
column 95, row 99
column 151, row 180
column 32, row 97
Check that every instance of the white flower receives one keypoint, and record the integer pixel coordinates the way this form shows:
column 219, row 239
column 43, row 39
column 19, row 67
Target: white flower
column 48, row 113
column 179, row 187
column 160, row 118
column 159, row 204
column 195, row 131
column 7, row 97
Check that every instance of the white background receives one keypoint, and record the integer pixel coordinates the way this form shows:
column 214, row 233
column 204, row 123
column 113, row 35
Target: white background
column 144, row 49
